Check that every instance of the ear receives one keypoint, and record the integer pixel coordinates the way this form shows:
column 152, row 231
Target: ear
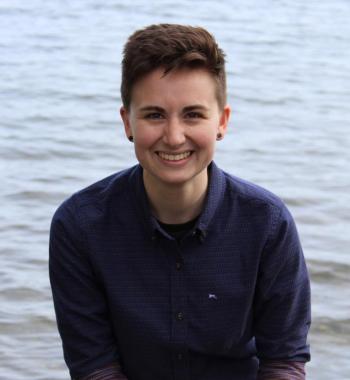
column 224, row 118
column 125, row 115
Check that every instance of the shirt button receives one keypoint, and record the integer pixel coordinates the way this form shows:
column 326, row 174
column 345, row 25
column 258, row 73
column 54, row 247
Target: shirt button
column 178, row 265
column 179, row 316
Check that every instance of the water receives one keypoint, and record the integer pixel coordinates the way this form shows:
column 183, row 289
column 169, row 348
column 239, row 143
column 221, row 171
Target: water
column 289, row 87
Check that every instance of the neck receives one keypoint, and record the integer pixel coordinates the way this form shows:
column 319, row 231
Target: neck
column 176, row 203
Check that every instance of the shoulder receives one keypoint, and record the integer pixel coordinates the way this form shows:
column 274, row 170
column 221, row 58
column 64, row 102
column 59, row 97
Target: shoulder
column 246, row 192
column 252, row 203
column 269, row 215
column 93, row 200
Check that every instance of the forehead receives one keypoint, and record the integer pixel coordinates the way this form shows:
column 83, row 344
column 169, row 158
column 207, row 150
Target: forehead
column 177, row 86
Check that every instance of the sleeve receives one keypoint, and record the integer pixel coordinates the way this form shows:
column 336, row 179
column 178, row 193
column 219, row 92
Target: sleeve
column 282, row 314
column 112, row 372
column 79, row 300
column 281, row 370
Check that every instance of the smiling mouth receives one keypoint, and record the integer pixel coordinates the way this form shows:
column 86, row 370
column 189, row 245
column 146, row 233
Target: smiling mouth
column 174, row 157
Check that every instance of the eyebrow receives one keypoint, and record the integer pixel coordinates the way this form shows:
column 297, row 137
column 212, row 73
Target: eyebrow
column 195, row 107
column 186, row 109
column 152, row 108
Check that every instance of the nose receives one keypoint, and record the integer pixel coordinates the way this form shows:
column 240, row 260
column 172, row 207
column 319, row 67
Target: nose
column 174, row 132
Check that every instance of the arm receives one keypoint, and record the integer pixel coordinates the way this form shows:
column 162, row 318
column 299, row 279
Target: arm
column 79, row 300
column 112, row 372
column 282, row 303
column 281, row 370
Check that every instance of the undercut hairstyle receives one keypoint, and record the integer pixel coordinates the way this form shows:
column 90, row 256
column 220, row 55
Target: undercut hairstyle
column 171, row 47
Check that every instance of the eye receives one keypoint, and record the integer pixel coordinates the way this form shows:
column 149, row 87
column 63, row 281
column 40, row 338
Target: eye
column 194, row 115
column 154, row 116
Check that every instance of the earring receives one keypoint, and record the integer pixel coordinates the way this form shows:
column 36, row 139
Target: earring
column 131, row 139
column 218, row 136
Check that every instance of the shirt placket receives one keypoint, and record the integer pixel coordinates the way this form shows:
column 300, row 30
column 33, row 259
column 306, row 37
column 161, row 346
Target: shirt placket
column 179, row 317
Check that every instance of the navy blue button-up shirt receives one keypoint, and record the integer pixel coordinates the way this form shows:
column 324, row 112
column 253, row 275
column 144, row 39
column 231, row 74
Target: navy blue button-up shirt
column 231, row 292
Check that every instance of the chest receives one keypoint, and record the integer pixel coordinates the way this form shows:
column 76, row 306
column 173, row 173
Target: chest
column 195, row 294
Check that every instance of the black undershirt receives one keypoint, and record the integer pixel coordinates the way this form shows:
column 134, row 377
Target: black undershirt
column 178, row 231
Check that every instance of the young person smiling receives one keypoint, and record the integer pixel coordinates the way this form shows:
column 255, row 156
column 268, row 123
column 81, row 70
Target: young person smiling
column 174, row 121
column 174, row 269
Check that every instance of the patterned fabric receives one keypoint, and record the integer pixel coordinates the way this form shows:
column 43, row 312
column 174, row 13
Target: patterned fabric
column 268, row 370
column 281, row 370
column 112, row 372
column 235, row 289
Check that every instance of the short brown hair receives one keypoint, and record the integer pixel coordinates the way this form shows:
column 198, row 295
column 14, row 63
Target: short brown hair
column 171, row 46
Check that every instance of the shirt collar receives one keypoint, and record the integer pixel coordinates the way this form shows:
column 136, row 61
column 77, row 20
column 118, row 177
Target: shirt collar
column 215, row 194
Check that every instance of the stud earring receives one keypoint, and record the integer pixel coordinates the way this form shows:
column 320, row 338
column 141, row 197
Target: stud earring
column 218, row 136
column 131, row 139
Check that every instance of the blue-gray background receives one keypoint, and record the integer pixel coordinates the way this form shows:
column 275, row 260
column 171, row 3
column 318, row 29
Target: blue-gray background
column 289, row 87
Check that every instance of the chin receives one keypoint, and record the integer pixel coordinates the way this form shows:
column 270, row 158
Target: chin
column 174, row 180
column 177, row 179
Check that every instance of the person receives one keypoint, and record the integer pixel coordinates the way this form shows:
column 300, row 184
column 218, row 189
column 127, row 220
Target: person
column 173, row 268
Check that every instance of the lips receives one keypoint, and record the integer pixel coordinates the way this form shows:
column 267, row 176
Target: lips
column 174, row 157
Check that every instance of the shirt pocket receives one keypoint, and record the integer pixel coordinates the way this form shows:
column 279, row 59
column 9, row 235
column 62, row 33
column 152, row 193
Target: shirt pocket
column 219, row 323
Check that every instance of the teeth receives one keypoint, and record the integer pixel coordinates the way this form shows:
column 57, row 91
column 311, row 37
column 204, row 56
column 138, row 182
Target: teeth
column 174, row 157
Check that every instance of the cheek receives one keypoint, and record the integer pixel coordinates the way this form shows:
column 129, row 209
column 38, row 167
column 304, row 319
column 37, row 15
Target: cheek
column 146, row 137
column 206, row 138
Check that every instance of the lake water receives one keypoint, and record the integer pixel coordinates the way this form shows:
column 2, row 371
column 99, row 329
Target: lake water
column 289, row 87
